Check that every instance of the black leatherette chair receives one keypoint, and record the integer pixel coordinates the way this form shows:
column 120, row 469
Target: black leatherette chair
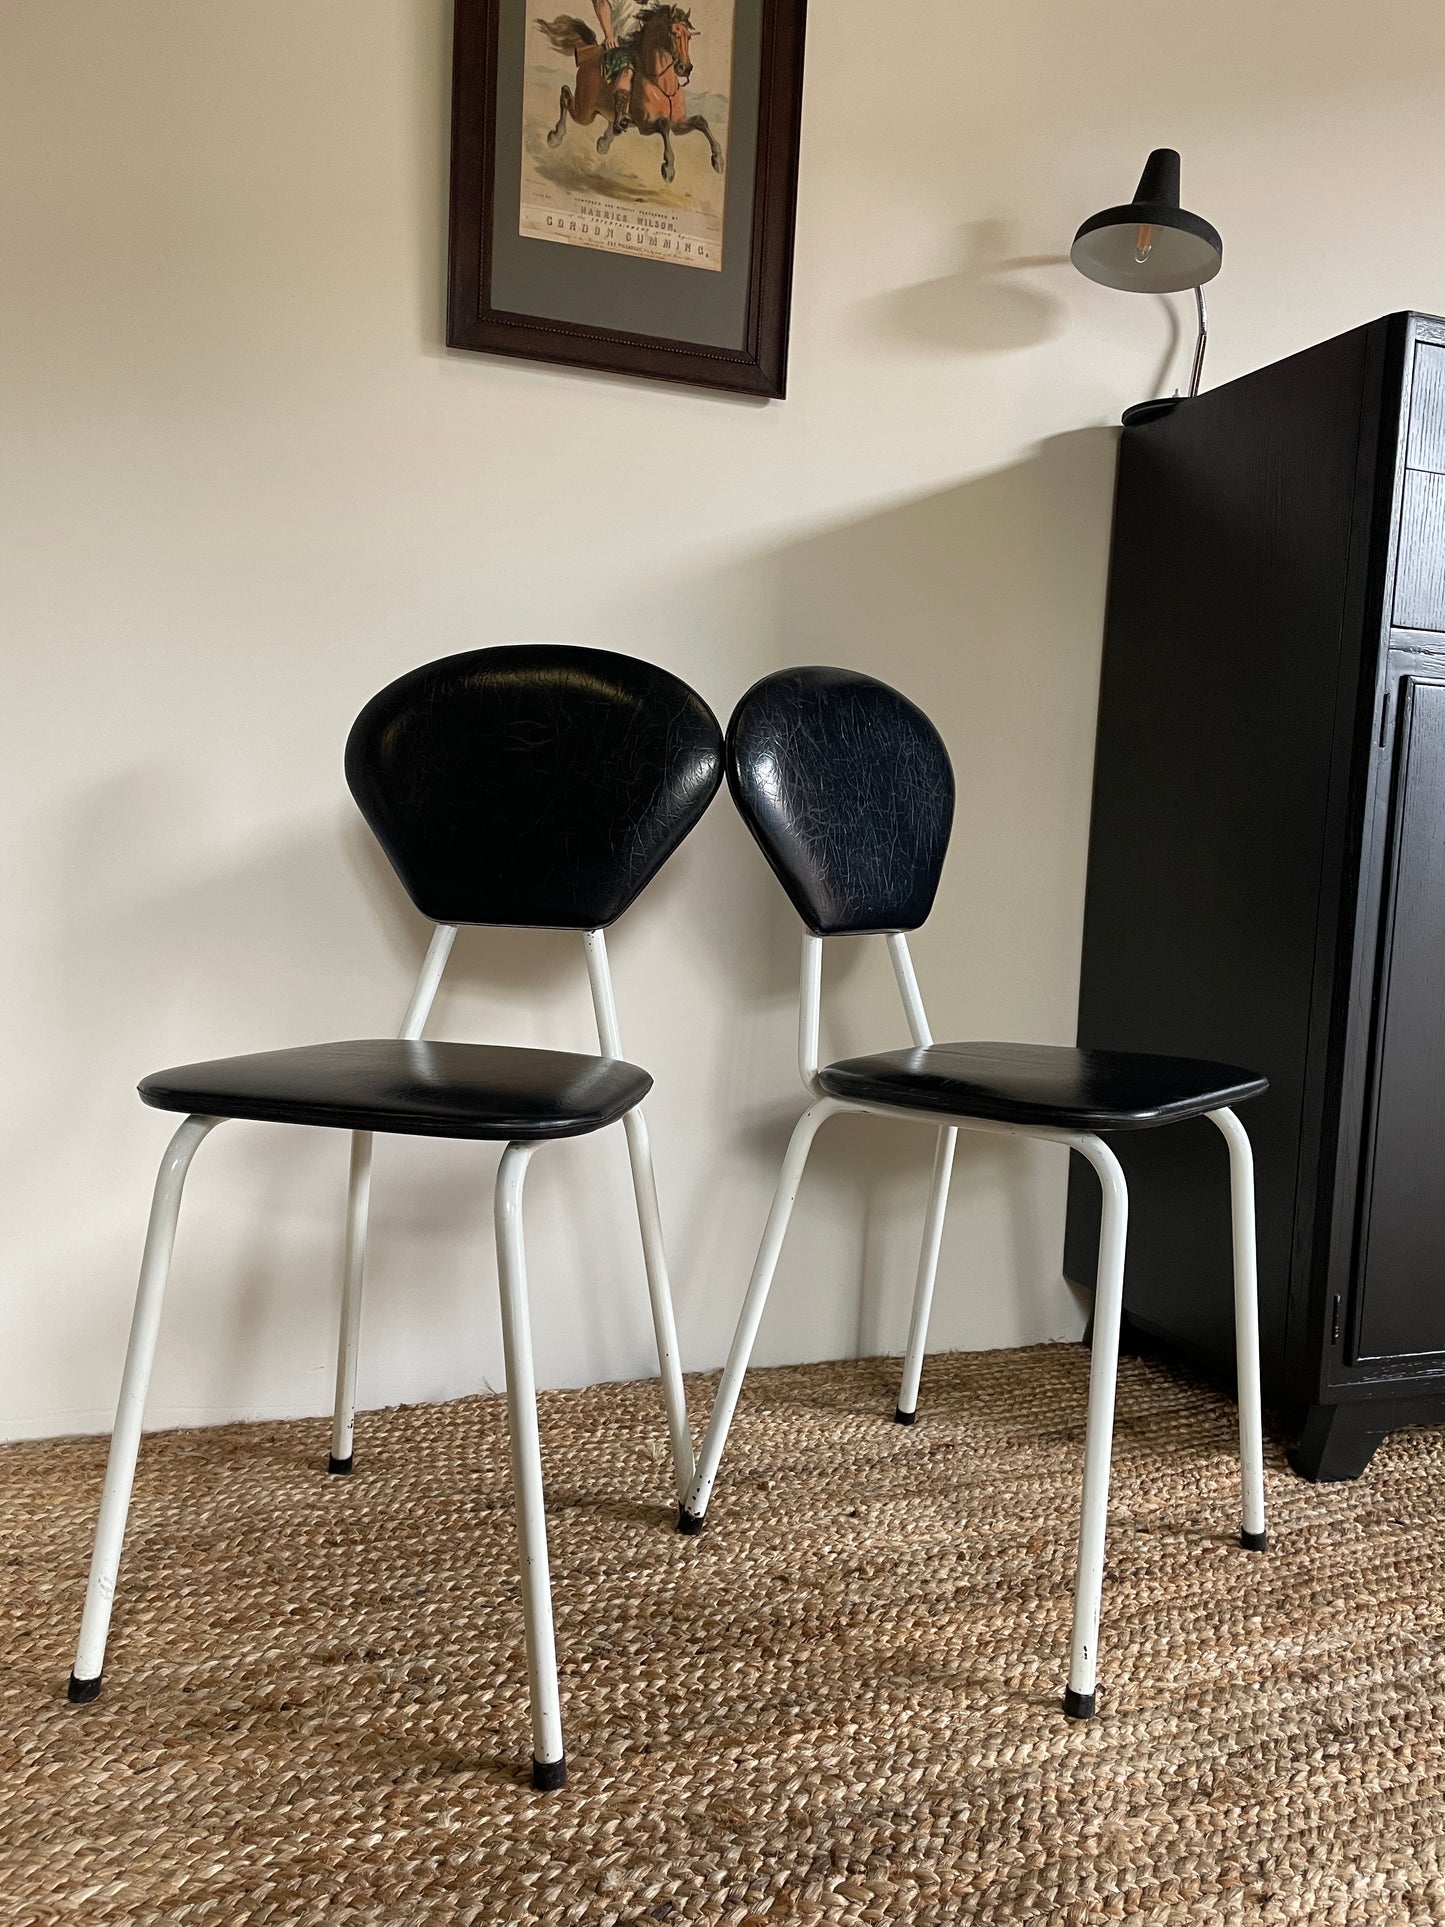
column 524, row 786
column 848, row 791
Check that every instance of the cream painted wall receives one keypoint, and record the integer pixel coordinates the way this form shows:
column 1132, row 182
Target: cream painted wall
column 242, row 484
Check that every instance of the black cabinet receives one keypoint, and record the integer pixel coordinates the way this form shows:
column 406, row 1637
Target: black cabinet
column 1267, row 871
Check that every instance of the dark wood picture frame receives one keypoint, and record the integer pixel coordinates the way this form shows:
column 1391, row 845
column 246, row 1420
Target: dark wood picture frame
column 759, row 366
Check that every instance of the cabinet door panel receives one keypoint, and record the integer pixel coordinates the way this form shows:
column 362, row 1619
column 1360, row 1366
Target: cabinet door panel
column 1402, row 1280
column 1420, row 578
column 1426, row 445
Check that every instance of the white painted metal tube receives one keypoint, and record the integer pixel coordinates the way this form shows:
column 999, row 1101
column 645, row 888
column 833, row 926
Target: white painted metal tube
column 918, row 1029
column 549, row 1766
column 659, row 1292
column 725, row 1404
column 358, row 1198
column 810, row 1010
column 1099, row 1431
column 927, row 1272
column 358, row 1202
column 649, row 1222
column 604, row 1003
column 908, row 989
column 1246, row 1324
column 789, row 1180
column 130, row 1412
column 428, row 982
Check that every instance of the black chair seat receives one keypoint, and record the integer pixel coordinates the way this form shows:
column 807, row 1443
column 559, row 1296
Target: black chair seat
column 423, row 1089
column 1047, row 1084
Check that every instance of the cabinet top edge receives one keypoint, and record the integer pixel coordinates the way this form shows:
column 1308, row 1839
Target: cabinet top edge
column 1404, row 327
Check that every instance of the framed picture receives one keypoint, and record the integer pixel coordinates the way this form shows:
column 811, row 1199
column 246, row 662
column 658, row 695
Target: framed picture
column 624, row 185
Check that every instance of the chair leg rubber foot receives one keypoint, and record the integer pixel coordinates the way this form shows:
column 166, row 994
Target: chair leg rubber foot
column 549, row 1776
column 81, row 1692
column 340, row 1466
column 1254, row 1541
column 1078, row 1706
column 690, row 1524
column 900, row 1417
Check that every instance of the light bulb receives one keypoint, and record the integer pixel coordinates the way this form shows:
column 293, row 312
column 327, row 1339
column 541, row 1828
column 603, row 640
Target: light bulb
column 1143, row 245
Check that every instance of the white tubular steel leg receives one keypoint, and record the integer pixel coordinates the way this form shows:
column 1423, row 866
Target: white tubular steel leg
column 1246, row 1328
column 927, row 1272
column 125, row 1438
column 1099, row 1432
column 358, row 1200
column 549, row 1761
column 659, row 1291
column 649, row 1219
column 694, row 1509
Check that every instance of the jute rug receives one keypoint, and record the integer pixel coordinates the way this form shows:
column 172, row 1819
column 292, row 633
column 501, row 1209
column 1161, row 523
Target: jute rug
column 841, row 1704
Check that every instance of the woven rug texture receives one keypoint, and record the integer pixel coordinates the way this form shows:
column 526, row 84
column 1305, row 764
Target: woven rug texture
column 840, row 1704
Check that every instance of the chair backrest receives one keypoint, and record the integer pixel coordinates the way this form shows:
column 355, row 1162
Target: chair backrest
column 533, row 785
column 848, row 789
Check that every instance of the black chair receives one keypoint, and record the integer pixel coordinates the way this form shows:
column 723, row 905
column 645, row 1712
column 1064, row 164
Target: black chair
column 521, row 786
column 848, row 790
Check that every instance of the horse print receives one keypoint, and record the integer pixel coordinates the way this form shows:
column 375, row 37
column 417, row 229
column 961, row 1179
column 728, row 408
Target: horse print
column 625, row 129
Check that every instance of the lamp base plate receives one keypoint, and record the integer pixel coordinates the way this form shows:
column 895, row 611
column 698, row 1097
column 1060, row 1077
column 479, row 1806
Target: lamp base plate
column 1150, row 411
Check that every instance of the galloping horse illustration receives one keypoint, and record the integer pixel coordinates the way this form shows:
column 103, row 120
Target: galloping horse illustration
column 661, row 70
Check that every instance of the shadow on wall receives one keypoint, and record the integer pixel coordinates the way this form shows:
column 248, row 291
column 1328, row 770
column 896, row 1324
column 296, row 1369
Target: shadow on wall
column 985, row 604
column 991, row 302
column 226, row 956
column 994, row 301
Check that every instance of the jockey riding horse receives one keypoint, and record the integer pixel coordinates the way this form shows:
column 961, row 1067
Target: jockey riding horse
column 618, row 21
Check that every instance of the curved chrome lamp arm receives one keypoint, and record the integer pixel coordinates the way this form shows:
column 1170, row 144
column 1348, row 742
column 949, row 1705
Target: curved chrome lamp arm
column 1202, row 343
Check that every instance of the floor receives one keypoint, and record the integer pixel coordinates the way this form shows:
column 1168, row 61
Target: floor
column 838, row 1705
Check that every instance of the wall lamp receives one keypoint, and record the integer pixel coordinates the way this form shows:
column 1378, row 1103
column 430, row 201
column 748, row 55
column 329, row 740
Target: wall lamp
column 1152, row 245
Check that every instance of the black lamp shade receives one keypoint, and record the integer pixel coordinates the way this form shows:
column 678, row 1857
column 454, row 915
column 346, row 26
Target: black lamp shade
column 1178, row 249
